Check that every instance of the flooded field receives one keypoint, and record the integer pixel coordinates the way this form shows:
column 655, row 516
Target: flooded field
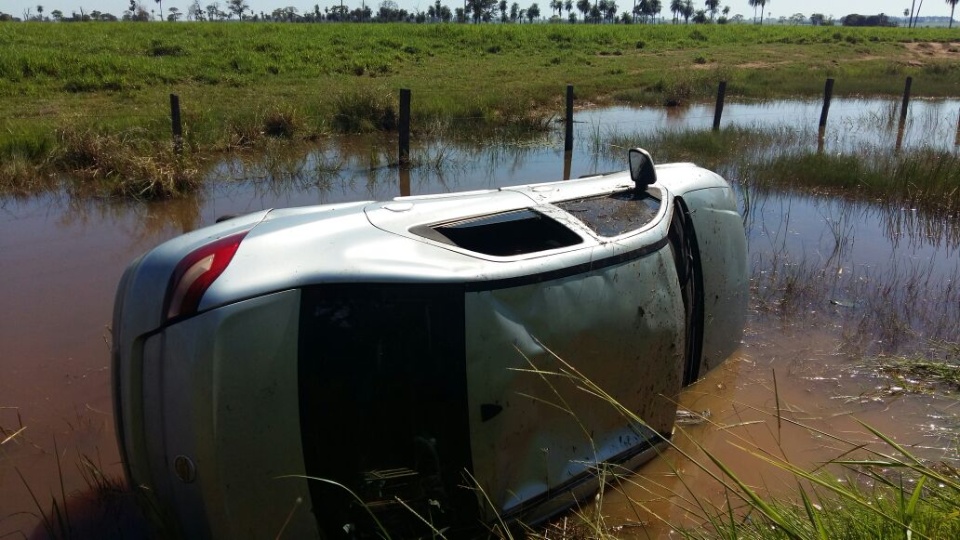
column 836, row 284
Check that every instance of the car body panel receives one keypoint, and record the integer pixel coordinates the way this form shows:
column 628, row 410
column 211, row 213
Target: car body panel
column 357, row 343
column 627, row 339
column 228, row 366
column 722, row 247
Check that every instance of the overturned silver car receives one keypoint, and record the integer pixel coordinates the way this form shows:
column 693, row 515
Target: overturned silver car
column 419, row 363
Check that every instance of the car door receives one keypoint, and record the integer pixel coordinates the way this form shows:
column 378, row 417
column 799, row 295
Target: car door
column 578, row 365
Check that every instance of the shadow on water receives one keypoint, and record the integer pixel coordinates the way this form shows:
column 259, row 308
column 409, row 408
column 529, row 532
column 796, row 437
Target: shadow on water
column 836, row 278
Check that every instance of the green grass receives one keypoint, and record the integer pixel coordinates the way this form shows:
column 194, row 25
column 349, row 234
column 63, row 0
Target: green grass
column 784, row 159
column 934, row 372
column 241, row 84
column 872, row 491
column 869, row 490
column 451, row 68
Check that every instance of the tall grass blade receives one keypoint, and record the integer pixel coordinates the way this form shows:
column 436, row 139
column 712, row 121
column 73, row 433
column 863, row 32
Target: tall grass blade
column 911, row 510
column 44, row 518
column 754, row 498
column 776, row 396
column 436, row 533
column 383, row 531
column 12, row 436
column 64, row 519
column 286, row 522
column 845, row 494
column 503, row 525
column 813, row 515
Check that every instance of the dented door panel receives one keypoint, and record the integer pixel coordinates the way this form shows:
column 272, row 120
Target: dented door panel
column 621, row 327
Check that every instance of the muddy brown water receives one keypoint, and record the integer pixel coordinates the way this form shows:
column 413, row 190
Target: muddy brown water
column 61, row 259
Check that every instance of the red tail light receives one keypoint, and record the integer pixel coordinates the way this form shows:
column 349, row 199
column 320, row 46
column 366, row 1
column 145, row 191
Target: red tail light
column 196, row 272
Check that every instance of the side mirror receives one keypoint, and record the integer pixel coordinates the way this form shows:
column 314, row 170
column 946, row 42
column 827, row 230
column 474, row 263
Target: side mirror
column 642, row 170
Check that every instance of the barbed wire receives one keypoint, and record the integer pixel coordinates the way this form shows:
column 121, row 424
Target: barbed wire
column 9, row 121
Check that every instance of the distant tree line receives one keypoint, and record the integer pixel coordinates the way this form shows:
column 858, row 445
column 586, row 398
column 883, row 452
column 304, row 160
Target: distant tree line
column 476, row 11
column 868, row 20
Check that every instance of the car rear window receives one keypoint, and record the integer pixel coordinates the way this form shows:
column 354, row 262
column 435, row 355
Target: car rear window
column 505, row 234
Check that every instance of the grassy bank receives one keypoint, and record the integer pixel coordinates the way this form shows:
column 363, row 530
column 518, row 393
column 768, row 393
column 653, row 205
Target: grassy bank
column 881, row 491
column 241, row 84
column 871, row 487
column 785, row 160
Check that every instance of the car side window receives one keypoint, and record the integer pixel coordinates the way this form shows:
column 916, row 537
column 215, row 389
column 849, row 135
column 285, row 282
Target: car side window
column 615, row 214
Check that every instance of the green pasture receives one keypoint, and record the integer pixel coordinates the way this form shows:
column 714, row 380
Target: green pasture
column 126, row 63
column 242, row 82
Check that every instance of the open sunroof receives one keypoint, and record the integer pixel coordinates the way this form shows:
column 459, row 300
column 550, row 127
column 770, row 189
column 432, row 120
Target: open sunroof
column 504, row 234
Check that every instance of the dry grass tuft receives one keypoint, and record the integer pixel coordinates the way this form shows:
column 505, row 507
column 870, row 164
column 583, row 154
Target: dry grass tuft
column 124, row 165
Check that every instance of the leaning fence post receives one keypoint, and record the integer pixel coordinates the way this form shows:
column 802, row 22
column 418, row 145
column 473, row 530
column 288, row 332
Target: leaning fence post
column 176, row 125
column 822, row 127
column 903, row 112
column 568, row 134
column 827, row 98
column 906, row 102
column 718, row 112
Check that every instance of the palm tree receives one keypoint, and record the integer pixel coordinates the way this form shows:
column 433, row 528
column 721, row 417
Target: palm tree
column 713, row 6
column 763, row 5
column 640, row 10
column 953, row 6
column 161, row 8
column 754, row 4
column 595, row 13
column 676, row 6
column 583, row 6
column 609, row 10
column 557, row 5
column 533, row 12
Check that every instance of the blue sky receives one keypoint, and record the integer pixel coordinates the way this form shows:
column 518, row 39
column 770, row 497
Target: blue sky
column 837, row 8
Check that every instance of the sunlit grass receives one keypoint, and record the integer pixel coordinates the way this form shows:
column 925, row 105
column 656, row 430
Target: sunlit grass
column 124, row 165
column 784, row 159
column 867, row 491
column 241, row 83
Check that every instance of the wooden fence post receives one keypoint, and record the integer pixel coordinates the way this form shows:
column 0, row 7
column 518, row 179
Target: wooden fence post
column 906, row 102
column 956, row 141
column 827, row 98
column 718, row 112
column 822, row 126
column 404, row 181
column 903, row 112
column 176, row 124
column 404, row 127
column 568, row 134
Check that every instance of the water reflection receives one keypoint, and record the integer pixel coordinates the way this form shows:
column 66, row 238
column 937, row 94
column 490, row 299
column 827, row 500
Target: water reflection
column 875, row 274
column 851, row 124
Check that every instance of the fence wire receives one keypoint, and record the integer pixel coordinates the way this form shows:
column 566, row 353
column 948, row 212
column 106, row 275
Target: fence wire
column 695, row 114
